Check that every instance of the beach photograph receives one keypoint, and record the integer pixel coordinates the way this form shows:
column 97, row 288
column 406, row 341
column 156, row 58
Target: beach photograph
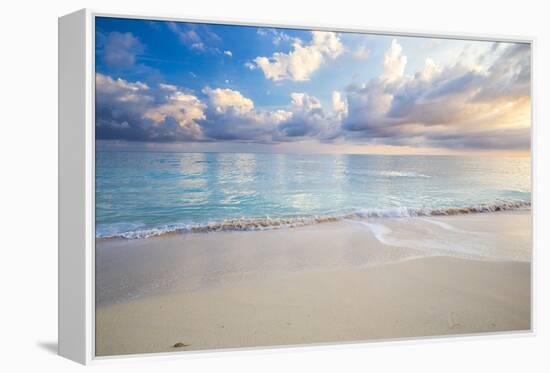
column 274, row 187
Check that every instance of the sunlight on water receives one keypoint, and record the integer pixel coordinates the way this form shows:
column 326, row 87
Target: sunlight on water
column 148, row 191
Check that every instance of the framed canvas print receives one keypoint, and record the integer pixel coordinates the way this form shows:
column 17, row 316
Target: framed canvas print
column 229, row 185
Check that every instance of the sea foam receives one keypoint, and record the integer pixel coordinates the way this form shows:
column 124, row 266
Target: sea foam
column 265, row 223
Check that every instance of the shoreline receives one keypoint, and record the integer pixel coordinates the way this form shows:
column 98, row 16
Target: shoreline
column 266, row 223
column 335, row 282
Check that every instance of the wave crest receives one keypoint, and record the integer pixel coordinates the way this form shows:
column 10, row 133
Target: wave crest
column 401, row 174
column 252, row 224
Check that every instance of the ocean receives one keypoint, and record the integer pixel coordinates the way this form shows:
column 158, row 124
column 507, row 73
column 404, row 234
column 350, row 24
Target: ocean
column 143, row 194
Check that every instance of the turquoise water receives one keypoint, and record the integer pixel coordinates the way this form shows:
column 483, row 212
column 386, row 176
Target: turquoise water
column 140, row 194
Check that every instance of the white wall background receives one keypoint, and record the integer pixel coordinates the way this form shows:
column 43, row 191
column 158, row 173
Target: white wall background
column 28, row 183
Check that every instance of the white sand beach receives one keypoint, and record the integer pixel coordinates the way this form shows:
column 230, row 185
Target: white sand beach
column 332, row 282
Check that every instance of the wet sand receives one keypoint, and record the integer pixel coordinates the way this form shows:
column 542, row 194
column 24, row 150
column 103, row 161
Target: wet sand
column 333, row 282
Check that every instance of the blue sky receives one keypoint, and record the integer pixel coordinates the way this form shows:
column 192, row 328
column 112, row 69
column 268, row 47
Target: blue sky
column 205, row 87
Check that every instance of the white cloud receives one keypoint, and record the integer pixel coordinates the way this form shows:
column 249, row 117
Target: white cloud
column 228, row 53
column 304, row 102
column 369, row 103
column 188, row 37
column 452, row 106
column 232, row 116
column 198, row 37
column 168, row 87
column 250, row 66
column 394, row 62
column 328, row 43
column 431, row 69
column 302, row 61
column 121, row 90
column 184, row 108
column 224, row 99
column 339, row 105
column 135, row 111
column 308, row 120
column 121, row 49
column 278, row 36
column 456, row 106
column 278, row 116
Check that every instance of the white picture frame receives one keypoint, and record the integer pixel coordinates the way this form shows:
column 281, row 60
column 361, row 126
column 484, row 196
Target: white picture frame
column 76, row 250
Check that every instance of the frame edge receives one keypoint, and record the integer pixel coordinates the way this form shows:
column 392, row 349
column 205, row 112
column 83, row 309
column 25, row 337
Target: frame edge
column 73, row 149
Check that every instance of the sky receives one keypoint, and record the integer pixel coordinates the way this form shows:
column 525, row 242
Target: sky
column 176, row 86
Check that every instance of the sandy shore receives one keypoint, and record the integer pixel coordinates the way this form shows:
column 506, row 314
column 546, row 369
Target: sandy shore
column 334, row 282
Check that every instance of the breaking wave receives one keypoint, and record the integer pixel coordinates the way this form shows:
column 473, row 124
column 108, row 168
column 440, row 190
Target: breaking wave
column 401, row 174
column 252, row 224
